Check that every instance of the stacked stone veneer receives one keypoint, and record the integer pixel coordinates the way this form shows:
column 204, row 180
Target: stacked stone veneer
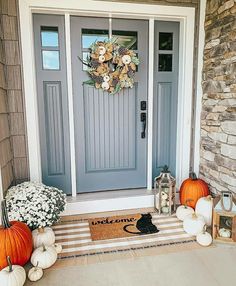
column 218, row 119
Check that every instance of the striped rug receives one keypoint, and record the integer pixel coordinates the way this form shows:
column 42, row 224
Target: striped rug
column 75, row 238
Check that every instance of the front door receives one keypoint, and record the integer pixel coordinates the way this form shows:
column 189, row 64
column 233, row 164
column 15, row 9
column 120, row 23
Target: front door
column 110, row 130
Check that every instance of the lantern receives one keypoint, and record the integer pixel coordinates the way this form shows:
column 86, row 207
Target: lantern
column 224, row 218
column 164, row 195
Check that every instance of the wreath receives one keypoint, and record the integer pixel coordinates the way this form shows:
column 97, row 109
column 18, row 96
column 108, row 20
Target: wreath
column 111, row 67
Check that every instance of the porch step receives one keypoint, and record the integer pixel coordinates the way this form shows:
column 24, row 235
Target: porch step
column 110, row 201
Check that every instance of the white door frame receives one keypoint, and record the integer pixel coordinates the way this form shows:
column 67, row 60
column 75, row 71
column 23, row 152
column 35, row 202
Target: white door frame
column 184, row 15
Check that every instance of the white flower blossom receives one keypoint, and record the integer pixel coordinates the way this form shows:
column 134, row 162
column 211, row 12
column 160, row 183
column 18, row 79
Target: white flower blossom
column 35, row 204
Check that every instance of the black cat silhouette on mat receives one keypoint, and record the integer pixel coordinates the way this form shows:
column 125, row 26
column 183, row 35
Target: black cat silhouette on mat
column 144, row 225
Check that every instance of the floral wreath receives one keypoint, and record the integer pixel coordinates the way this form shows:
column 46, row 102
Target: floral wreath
column 111, row 67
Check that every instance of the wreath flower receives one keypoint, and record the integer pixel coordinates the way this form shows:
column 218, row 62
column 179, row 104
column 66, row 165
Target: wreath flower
column 111, row 67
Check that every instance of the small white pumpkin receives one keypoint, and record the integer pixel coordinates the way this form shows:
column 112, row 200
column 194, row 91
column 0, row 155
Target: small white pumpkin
column 12, row 275
column 58, row 247
column 35, row 273
column 43, row 235
column 223, row 232
column 204, row 207
column 164, row 196
column 183, row 211
column 165, row 210
column 193, row 224
column 44, row 256
column 163, row 203
column 204, row 238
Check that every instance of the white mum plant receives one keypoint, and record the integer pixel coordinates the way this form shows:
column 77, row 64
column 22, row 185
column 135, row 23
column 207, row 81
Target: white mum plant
column 35, row 204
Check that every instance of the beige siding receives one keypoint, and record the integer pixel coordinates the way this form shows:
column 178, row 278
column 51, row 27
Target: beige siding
column 13, row 151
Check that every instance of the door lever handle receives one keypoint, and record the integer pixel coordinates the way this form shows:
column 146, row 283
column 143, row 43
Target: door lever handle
column 143, row 120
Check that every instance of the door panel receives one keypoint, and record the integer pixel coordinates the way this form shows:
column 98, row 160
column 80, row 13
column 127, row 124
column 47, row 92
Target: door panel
column 110, row 130
column 52, row 100
column 165, row 95
column 110, row 153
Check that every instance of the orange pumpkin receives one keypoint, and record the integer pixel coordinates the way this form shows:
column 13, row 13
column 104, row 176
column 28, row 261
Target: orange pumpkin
column 192, row 189
column 15, row 240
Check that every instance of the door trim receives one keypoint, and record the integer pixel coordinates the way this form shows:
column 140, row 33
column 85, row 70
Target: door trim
column 184, row 15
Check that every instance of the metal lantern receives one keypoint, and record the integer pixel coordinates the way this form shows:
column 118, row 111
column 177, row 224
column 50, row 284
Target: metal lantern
column 165, row 191
column 224, row 218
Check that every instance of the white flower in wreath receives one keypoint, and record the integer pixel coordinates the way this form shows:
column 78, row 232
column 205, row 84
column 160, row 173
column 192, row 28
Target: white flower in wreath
column 105, row 85
column 102, row 50
column 126, row 59
column 106, row 78
column 101, row 59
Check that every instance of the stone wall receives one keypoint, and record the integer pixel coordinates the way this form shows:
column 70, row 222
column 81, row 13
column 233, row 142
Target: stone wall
column 13, row 154
column 218, row 120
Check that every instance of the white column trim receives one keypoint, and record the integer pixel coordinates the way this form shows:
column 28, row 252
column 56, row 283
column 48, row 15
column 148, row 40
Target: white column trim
column 30, row 91
column 70, row 104
column 198, row 102
column 150, row 103
column 186, row 45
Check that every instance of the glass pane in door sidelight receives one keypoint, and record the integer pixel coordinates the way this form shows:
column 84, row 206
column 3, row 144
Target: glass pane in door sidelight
column 165, row 62
column 49, row 37
column 165, row 41
column 51, row 60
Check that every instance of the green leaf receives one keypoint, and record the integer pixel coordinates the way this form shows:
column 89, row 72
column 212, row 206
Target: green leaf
column 135, row 60
column 117, row 89
column 89, row 82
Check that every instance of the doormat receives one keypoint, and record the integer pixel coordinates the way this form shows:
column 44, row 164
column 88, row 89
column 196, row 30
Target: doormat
column 122, row 226
column 121, row 234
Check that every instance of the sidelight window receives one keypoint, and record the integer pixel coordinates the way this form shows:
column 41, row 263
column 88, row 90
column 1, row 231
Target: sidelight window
column 50, row 48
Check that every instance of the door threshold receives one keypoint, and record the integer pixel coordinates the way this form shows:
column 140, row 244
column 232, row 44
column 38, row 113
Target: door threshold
column 109, row 201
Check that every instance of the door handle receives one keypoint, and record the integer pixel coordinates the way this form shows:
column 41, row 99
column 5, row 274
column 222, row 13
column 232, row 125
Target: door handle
column 143, row 120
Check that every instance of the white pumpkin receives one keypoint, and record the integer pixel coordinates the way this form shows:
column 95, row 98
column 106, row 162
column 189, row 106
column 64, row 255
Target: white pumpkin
column 44, row 256
column 43, row 235
column 183, row 211
column 165, row 210
column 35, row 273
column 204, row 238
column 58, row 247
column 204, row 207
column 193, row 224
column 223, row 232
column 12, row 275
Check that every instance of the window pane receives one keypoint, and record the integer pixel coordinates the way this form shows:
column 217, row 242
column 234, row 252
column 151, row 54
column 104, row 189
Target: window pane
column 85, row 56
column 91, row 36
column 165, row 62
column 50, row 60
column 127, row 39
column 165, row 41
column 49, row 36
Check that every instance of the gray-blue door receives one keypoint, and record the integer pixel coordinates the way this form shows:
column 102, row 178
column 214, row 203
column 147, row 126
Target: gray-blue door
column 110, row 151
column 165, row 95
column 50, row 59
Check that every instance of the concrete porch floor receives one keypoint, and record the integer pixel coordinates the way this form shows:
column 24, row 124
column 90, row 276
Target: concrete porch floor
column 206, row 267
column 212, row 266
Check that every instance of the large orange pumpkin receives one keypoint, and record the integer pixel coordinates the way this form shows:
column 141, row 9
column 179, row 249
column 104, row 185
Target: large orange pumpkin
column 192, row 189
column 15, row 240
